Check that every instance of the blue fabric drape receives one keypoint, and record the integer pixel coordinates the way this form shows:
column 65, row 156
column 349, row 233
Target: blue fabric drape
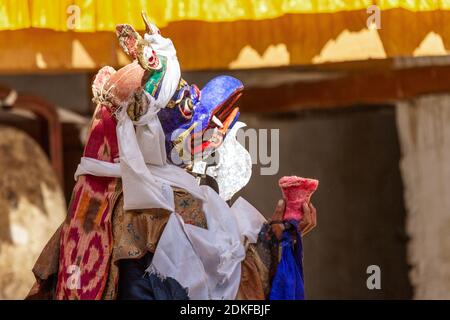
column 288, row 281
column 136, row 284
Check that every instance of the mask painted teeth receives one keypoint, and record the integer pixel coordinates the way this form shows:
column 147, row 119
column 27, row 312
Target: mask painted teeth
column 217, row 122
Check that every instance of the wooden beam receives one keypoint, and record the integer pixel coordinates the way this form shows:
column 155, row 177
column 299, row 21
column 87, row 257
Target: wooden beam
column 362, row 87
column 47, row 113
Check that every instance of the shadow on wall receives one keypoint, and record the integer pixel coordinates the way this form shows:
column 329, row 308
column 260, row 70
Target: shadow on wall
column 72, row 91
column 361, row 216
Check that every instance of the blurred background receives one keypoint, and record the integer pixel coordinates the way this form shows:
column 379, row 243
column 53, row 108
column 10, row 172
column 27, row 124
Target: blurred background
column 359, row 90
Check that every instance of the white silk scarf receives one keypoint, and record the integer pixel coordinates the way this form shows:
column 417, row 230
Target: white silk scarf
column 207, row 262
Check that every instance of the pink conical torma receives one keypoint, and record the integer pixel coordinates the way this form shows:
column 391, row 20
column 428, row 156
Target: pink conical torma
column 296, row 191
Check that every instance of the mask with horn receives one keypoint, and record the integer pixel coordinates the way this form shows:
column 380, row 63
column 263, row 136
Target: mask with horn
column 194, row 121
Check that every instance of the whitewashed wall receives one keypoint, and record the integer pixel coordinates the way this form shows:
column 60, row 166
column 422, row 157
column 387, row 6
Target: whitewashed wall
column 424, row 134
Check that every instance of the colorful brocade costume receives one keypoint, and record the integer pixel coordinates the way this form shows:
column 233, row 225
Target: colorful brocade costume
column 125, row 205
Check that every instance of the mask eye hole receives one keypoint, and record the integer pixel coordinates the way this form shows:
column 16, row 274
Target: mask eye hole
column 148, row 59
column 186, row 107
column 151, row 59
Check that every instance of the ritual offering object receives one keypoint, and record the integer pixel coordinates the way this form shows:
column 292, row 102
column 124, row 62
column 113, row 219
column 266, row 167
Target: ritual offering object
column 296, row 191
